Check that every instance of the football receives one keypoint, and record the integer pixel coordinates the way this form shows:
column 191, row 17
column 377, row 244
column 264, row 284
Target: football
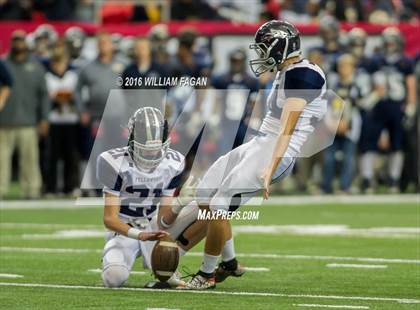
column 165, row 258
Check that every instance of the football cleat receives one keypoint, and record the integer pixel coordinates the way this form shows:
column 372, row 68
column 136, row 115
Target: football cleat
column 176, row 280
column 157, row 285
column 223, row 271
column 201, row 282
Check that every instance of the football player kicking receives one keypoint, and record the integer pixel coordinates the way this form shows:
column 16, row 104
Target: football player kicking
column 294, row 101
column 136, row 180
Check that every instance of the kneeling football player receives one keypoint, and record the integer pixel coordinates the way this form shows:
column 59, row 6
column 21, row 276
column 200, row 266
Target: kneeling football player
column 136, row 180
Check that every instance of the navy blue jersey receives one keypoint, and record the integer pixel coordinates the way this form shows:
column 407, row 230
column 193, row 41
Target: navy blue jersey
column 392, row 74
column 364, row 75
column 238, row 95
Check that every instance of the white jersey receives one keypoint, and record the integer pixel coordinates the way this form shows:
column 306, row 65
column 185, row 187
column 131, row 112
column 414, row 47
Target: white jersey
column 139, row 191
column 302, row 79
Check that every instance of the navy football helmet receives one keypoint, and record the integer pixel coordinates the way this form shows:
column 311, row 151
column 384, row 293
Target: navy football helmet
column 148, row 139
column 275, row 41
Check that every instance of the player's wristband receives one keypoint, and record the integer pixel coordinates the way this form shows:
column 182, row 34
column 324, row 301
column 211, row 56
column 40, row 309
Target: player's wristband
column 133, row 233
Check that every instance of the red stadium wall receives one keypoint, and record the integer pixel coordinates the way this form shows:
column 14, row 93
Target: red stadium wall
column 411, row 32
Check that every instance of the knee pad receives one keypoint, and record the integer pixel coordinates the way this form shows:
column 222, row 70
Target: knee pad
column 115, row 275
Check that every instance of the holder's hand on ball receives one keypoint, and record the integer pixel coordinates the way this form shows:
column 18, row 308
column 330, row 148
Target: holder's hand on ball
column 152, row 235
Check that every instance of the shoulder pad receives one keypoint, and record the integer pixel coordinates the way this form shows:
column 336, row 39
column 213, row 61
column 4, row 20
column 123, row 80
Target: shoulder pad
column 108, row 170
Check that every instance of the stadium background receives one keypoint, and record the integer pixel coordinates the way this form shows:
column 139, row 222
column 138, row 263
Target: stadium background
column 220, row 27
column 345, row 251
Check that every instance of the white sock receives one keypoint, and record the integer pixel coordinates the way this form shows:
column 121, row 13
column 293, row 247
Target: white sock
column 209, row 263
column 396, row 162
column 366, row 164
column 181, row 251
column 228, row 252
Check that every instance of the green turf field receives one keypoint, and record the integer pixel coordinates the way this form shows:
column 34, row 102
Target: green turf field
column 316, row 256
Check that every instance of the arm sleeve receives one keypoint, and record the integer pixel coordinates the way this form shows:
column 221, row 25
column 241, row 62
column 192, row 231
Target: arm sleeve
column 108, row 176
column 5, row 76
column 303, row 83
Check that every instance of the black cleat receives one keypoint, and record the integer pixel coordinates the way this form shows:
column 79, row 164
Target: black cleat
column 229, row 269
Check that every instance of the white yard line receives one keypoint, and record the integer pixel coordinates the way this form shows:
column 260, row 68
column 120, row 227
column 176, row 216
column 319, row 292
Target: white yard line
column 10, row 275
column 257, row 269
column 69, row 231
column 49, row 250
column 331, row 306
column 250, row 255
column 161, row 309
column 330, row 230
column 333, row 265
column 136, row 273
column 67, row 234
column 48, row 226
column 352, row 199
column 208, row 292
column 274, row 200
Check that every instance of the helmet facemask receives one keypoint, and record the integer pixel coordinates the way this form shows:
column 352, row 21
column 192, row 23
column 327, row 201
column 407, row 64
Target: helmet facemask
column 264, row 62
column 148, row 156
column 148, row 141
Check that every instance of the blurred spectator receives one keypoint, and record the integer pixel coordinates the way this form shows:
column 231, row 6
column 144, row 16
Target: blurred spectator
column 192, row 10
column 5, row 84
column 56, row 9
column 126, row 48
column 143, row 66
column 411, row 143
column 237, row 95
column 26, row 108
column 75, row 38
column 348, row 125
column 185, row 62
column 159, row 36
column 346, row 10
column 64, row 120
column 295, row 11
column 331, row 48
column 44, row 37
column 96, row 80
column 395, row 82
column 16, row 9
